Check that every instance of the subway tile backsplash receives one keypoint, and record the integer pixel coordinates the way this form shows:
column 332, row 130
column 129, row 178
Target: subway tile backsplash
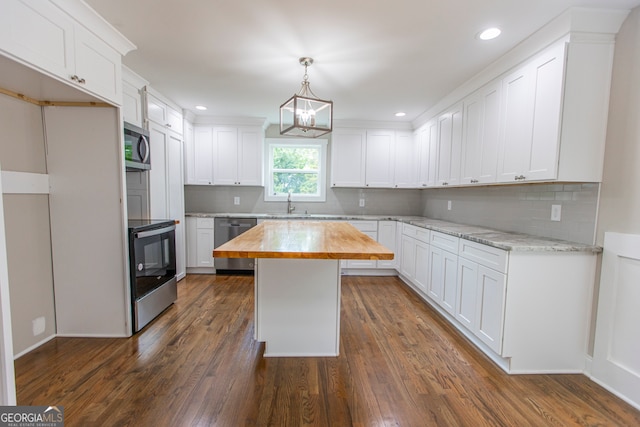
column 520, row 208
column 524, row 208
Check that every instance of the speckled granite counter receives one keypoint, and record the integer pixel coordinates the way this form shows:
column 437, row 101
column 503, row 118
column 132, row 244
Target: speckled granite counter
column 508, row 241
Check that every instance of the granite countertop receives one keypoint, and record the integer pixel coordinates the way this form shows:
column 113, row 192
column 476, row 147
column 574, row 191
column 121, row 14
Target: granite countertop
column 509, row 241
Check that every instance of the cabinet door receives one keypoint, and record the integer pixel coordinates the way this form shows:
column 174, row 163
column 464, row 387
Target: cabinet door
column 175, row 196
column 466, row 303
column 515, row 139
column 406, row 161
column 387, row 238
column 432, row 153
column 131, row 104
column 471, row 139
column 174, row 120
column 449, row 281
column 225, row 156
column 490, row 307
column 348, row 158
column 203, row 156
column 158, row 202
column 491, row 110
column 250, row 156
column 449, row 146
column 422, row 155
column 156, row 110
column 380, row 158
column 436, row 284
column 204, row 247
column 191, row 242
column 408, row 262
column 422, row 266
column 98, row 66
column 40, row 34
column 189, row 154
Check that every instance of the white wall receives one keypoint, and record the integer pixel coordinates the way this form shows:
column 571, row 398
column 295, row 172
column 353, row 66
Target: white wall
column 620, row 192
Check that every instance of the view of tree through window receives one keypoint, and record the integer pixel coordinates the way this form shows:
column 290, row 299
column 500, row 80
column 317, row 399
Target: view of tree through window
column 295, row 169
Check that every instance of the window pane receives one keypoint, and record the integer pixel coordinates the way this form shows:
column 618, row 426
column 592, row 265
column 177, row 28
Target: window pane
column 296, row 158
column 296, row 183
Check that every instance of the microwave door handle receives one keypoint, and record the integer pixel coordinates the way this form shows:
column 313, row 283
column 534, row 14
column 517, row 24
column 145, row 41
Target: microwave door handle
column 143, row 234
column 146, row 149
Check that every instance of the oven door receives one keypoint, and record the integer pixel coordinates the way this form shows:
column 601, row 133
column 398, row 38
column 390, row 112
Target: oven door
column 153, row 261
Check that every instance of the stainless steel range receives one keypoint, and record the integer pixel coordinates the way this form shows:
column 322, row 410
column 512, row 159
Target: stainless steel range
column 152, row 266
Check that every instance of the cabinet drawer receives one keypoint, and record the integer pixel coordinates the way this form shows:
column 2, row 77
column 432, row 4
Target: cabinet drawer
column 365, row 225
column 418, row 233
column 444, row 241
column 488, row 256
column 409, row 230
column 204, row 223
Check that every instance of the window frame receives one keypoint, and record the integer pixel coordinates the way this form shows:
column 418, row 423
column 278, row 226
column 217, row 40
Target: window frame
column 320, row 144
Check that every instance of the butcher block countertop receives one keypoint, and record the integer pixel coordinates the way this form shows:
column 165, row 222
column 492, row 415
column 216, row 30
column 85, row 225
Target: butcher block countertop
column 303, row 239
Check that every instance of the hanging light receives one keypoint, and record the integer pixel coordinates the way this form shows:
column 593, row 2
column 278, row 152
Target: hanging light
column 304, row 114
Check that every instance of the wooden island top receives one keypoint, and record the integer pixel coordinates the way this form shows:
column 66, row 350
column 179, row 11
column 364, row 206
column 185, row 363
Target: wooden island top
column 303, row 239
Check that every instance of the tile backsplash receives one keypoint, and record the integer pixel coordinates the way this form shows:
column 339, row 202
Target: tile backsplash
column 520, row 208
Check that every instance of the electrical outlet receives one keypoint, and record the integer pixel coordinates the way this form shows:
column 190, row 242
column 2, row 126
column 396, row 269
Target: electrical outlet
column 362, row 203
column 236, row 200
column 449, row 205
column 556, row 212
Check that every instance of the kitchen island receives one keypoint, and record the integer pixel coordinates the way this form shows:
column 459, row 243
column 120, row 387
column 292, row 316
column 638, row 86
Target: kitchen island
column 297, row 281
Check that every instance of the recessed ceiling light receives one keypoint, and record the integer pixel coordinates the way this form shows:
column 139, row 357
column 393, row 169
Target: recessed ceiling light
column 489, row 34
column 400, row 114
column 201, row 107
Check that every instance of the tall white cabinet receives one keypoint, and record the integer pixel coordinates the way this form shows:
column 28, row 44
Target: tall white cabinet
column 166, row 177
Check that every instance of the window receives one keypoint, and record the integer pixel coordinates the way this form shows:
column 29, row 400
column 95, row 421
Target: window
column 296, row 166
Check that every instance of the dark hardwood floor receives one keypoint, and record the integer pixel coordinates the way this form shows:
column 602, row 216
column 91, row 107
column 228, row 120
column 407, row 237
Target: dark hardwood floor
column 400, row 365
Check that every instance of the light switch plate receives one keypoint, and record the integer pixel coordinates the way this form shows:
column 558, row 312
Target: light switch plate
column 236, row 200
column 362, row 203
column 556, row 212
column 449, row 205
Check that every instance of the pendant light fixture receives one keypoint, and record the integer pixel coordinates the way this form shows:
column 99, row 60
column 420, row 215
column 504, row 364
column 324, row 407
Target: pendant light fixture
column 304, row 114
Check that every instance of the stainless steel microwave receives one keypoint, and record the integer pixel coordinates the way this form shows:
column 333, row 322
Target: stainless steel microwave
column 137, row 154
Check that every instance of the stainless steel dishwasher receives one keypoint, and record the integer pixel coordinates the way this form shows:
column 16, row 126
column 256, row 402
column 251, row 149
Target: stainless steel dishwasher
column 226, row 229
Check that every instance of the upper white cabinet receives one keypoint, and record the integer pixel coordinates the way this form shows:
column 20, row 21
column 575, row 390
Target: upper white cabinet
column 238, row 155
column 380, row 158
column 373, row 158
column 480, row 136
column 449, row 147
column 132, row 93
column 530, row 133
column 164, row 114
column 227, row 155
column 46, row 37
column 348, row 148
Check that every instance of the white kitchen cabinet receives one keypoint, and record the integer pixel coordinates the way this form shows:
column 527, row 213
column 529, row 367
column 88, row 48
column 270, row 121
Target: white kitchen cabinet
column 380, row 159
column 203, row 156
column 164, row 114
column 449, row 146
column 166, row 184
column 480, row 137
column 530, row 134
column 42, row 35
column 132, row 97
column 408, row 261
column 370, row 228
column 200, row 243
column 189, row 154
column 415, row 255
column 443, row 267
column 387, row 238
column 238, row 155
column 348, row 147
column 406, row 160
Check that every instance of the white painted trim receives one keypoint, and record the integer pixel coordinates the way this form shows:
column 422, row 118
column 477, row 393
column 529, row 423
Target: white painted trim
column 33, row 347
column 24, row 183
column 7, row 372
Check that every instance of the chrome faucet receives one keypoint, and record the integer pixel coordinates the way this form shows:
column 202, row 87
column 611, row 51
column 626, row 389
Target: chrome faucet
column 290, row 208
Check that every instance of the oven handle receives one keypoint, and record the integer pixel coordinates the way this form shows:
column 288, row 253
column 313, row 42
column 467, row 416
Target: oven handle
column 142, row 234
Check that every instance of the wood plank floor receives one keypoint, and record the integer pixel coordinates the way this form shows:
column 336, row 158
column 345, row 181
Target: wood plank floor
column 400, row 365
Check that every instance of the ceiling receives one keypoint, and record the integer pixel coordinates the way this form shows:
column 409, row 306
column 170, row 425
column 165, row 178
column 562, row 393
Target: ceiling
column 372, row 58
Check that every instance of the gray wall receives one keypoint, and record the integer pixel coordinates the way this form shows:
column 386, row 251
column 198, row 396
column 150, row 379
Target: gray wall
column 27, row 227
column 520, row 208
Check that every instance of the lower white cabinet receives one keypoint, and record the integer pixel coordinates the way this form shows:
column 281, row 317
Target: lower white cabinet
column 387, row 238
column 370, row 228
column 200, row 244
column 415, row 255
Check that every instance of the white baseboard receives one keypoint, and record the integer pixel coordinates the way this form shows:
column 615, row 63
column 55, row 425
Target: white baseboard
column 33, row 347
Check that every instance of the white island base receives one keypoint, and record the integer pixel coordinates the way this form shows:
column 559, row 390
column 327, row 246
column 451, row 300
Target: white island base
column 297, row 306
